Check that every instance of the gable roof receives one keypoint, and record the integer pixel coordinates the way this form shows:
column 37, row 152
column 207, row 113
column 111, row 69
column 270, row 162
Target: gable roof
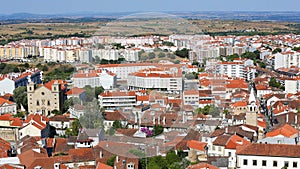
column 75, row 91
column 103, row 166
column 273, row 150
column 193, row 144
column 285, row 130
column 235, row 141
column 202, row 166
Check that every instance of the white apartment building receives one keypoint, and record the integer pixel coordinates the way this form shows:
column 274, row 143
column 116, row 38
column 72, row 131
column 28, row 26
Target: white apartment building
column 107, row 54
column 191, row 97
column 122, row 70
column 265, row 156
column 94, row 78
column 116, row 99
column 287, row 60
column 130, row 55
column 155, row 79
column 204, row 53
column 292, row 86
column 231, row 69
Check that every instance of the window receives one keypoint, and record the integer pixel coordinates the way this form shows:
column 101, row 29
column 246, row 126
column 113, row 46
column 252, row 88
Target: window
column 229, row 154
column 254, row 162
column 274, row 163
column 286, row 164
column 37, row 103
column 245, row 162
column 264, row 163
column 295, row 164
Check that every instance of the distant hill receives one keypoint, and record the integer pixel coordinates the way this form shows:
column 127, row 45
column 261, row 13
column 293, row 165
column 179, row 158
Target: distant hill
column 206, row 15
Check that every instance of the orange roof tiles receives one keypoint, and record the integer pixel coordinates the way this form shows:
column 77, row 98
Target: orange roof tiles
column 235, row 141
column 202, row 166
column 4, row 101
column 270, row 150
column 61, row 82
column 193, row 144
column 103, row 166
column 117, row 93
column 285, row 130
column 191, row 92
column 240, row 104
column 75, row 91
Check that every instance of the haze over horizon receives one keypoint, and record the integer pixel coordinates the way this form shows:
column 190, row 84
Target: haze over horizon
column 77, row 6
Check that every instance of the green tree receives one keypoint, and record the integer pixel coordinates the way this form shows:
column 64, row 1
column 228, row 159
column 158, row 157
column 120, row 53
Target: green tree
column 172, row 157
column 56, row 112
column 151, row 55
column 273, row 82
column 167, row 43
column 93, row 116
column 161, row 55
column 45, row 68
column 277, row 50
column 98, row 91
column 183, row 53
column 171, row 56
column 157, row 130
column 75, row 126
column 111, row 161
column 117, row 124
column 20, row 97
column 157, row 162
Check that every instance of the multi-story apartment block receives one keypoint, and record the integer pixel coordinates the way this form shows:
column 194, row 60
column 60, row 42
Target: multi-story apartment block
column 292, row 85
column 231, row 69
column 115, row 99
column 46, row 98
column 191, row 97
column 287, row 60
column 94, row 78
column 156, row 78
column 122, row 70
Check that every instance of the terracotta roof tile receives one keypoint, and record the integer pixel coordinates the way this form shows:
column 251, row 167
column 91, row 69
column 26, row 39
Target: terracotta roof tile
column 285, row 130
column 273, row 150
column 193, row 144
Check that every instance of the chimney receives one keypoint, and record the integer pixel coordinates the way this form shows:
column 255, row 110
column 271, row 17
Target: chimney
column 287, row 118
column 164, row 120
column 296, row 119
column 153, row 119
column 226, row 130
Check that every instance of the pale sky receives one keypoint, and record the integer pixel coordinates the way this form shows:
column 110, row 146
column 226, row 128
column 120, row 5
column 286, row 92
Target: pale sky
column 73, row 6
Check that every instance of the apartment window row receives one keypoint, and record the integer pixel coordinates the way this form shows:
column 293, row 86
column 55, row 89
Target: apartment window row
column 274, row 163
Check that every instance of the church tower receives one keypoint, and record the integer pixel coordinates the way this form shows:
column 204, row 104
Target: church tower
column 252, row 110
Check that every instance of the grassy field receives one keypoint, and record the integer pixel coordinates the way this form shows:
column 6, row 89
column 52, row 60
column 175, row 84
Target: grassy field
column 10, row 32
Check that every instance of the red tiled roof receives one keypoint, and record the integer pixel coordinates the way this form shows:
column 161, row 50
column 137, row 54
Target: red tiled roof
column 193, row 144
column 142, row 98
column 75, row 91
column 240, row 104
column 285, row 130
column 103, row 166
column 202, row 166
column 61, row 82
column 3, row 101
column 116, row 93
column 273, row 150
column 235, row 141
